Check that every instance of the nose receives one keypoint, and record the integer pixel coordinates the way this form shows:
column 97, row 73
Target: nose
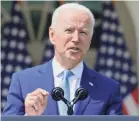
column 75, row 37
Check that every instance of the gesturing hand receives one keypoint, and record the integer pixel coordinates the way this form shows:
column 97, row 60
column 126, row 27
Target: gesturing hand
column 36, row 102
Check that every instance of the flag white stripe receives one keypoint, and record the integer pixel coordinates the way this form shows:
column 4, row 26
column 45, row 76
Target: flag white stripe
column 130, row 104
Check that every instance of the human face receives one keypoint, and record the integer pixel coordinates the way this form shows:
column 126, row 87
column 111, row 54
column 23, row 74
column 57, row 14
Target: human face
column 72, row 35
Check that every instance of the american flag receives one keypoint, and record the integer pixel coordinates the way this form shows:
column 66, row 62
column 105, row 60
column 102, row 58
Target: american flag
column 114, row 60
column 14, row 54
column 48, row 51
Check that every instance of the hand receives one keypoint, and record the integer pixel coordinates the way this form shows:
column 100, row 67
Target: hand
column 36, row 102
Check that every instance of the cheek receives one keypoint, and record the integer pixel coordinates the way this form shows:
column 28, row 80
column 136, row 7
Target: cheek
column 62, row 42
column 86, row 45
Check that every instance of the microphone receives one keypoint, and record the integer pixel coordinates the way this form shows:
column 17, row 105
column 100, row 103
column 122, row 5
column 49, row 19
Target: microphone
column 58, row 94
column 80, row 94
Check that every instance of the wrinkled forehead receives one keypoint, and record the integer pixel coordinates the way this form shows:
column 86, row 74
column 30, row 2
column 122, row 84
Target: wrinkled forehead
column 74, row 17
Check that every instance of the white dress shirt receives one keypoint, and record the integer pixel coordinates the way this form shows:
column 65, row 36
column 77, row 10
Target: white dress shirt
column 74, row 81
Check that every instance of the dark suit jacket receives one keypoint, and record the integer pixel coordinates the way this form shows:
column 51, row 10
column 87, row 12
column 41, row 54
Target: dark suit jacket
column 104, row 93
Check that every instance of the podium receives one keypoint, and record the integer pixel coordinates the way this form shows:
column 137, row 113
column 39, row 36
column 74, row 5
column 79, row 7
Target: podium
column 70, row 118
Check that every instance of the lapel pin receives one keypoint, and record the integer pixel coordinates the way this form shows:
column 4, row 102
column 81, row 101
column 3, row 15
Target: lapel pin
column 91, row 84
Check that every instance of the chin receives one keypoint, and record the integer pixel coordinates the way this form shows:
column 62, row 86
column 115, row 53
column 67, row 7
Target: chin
column 74, row 58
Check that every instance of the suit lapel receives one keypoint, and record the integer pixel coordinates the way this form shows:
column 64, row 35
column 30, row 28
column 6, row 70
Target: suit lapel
column 47, row 75
column 46, row 72
column 85, row 80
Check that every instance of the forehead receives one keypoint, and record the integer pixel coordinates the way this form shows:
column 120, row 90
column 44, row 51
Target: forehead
column 73, row 17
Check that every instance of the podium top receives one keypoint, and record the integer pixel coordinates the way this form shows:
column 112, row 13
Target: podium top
column 70, row 118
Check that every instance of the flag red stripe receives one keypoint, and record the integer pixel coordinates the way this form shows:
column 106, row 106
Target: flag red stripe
column 125, row 110
column 135, row 95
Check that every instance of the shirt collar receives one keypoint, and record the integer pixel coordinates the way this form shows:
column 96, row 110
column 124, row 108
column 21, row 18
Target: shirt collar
column 58, row 69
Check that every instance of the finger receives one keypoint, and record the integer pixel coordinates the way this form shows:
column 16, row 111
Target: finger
column 39, row 99
column 39, row 90
column 46, row 100
column 33, row 103
column 43, row 92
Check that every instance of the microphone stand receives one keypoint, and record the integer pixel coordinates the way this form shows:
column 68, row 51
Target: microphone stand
column 58, row 94
column 70, row 107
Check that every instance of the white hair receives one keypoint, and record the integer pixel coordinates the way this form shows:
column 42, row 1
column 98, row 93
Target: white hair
column 72, row 6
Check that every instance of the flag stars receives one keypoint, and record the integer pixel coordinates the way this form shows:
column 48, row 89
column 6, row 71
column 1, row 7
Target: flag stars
column 3, row 103
column 11, row 56
column 108, row 73
column 120, row 29
column 27, row 60
column 4, row 92
column 103, row 49
column 9, row 68
column 120, row 41
column 125, row 67
column 110, row 62
column 7, row 80
column 14, row 54
column 111, row 50
column 6, row 30
column 105, row 25
column 20, row 57
column 102, row 61
column 18, row 68
column 133, row 80
column 117, row 64
column 2, row 55
column 16, row 19
column 4, row 43
column 126, row 55
column 123, row 89
column 14, row 31
column 107, row 13
column 124, row 78
column 111, row 39
column 119, row 52
column 22, row 33
column 104, row 37
column 13, row 44
column 113, row 27
column 113, row 15
column 20, row 46
column 117, row 76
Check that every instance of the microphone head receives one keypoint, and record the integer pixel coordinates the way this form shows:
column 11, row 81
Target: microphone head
column 81, row 93
column 57, row 93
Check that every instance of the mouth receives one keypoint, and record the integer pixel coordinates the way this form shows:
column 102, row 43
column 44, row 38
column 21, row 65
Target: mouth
column 74, row 49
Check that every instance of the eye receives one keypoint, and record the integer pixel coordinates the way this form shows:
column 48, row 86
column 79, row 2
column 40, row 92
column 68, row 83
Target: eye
column 68, row 30
column 82, row 32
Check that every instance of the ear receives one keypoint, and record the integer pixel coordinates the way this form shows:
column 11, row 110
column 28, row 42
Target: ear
column 51, row 35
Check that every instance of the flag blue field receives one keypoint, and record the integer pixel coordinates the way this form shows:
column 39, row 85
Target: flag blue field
column 114, row 59
column 14, row 53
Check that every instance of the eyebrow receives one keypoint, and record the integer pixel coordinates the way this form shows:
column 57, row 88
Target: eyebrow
column 84, row 29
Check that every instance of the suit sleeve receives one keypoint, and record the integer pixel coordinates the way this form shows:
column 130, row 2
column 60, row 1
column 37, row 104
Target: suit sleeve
column 15, row 101
column 115, row 104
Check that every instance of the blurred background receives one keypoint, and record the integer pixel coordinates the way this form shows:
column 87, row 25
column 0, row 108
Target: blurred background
column 114, row 50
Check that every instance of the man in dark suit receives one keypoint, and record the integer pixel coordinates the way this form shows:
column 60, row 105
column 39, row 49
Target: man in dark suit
column 70, row 32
